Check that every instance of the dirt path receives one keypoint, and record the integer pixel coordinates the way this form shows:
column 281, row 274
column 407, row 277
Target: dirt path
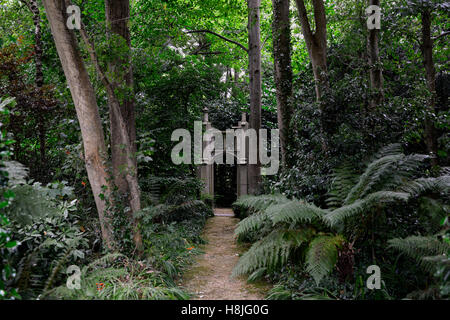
column 210, row 278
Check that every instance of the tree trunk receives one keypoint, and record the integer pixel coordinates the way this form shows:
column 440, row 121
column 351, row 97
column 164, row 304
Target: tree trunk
column 254, row 57
column 316, row 42
column 281, row 30
column 430, row 72
column 117, row 17
column 87, row 111
column 124, row 170
column 33, row 6
column 376, row 72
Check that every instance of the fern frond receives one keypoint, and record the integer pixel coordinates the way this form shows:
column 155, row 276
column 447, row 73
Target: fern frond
column 102, row 261
column 17, row 172
column 343, row 179
column 421, row 248
column 359, row 206
column 386, row 173
column 253, row 222
column 258, row 203
column 420, row 186
column 271, row 251
column 322, row 255
column 294, row 211
column 389, row 150
column 371, row 176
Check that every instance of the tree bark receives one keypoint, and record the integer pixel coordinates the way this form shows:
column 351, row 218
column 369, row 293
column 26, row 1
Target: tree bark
column 430, row 72
column 281, row 30
column 254, row 56
column 84, row 99
column 376, row 72
column 38, row 52
column 122, row 109
column 117, row 17
column 316, row 42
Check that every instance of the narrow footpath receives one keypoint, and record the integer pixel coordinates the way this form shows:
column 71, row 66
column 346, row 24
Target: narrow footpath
column 210, row 278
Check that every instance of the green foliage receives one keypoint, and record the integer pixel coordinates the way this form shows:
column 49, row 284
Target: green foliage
column 392, row 178
column 7, row 243
column 114, row 277
column 271, row 252
column 322, row 255
column 421, row 249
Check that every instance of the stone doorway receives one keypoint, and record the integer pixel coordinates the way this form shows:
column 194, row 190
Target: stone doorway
column 236, row 174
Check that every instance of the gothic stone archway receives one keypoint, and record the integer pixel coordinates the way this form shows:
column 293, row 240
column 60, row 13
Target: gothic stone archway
column 206, row 171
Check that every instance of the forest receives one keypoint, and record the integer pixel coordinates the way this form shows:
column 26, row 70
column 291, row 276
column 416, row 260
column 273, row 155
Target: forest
column 224, row 150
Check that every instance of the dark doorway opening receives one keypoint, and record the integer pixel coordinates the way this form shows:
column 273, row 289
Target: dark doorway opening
column 225, row 185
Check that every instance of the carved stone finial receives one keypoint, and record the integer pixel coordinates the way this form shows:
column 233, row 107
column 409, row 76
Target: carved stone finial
column 205, row 114
column 244, row 117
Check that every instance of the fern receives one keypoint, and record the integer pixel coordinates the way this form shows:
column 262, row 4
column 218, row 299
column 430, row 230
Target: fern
column 294, row 212
column 322, row 255
column 343, row 179
column 254, row 222
column 271, row 251
column 17, row 172
column 388, row 179
column 421, row 249
column 422, row 185
column 259, row 203
column 338, row 215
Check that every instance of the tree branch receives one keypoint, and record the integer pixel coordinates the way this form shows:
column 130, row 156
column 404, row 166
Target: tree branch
column 304, row 22
column 443, row 34
column 220, row 36
column 320, row 19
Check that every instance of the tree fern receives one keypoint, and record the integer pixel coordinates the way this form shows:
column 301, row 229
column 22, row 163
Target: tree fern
column 343, row 179
column 371, row 176
column 388, row 179
column 271, row 251
column 322, row 255
column 294, row 212
column 359, row 206
column 259, row 203
column 253, row 222
column 419, row 248
column 422, row 185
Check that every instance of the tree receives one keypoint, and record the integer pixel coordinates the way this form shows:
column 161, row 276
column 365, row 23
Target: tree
column 117, row 83
column 426, row 9
column 281, row 31
column 83, row 95
column 430, row 74
column 254, row 59
column 316, row 42
column 121, row 81
column 376, row 72
column 39, row 80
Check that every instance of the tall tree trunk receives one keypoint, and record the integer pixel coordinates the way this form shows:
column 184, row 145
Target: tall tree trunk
column 281, row 30
column 316, row 42
column 85, row 102
column 376, row 72
column 34, row 8
column 125, row 176
column 117, row 17
column 430, row 72
column 254, row 57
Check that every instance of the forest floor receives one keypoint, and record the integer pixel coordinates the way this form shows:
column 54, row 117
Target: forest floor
column 210, row 277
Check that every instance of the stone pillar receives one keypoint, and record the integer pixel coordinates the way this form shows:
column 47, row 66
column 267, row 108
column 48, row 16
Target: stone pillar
column 207, row 170
column 242, row 164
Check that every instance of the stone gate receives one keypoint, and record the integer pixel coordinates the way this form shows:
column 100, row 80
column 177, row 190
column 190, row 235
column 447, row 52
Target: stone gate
column 206, row 170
